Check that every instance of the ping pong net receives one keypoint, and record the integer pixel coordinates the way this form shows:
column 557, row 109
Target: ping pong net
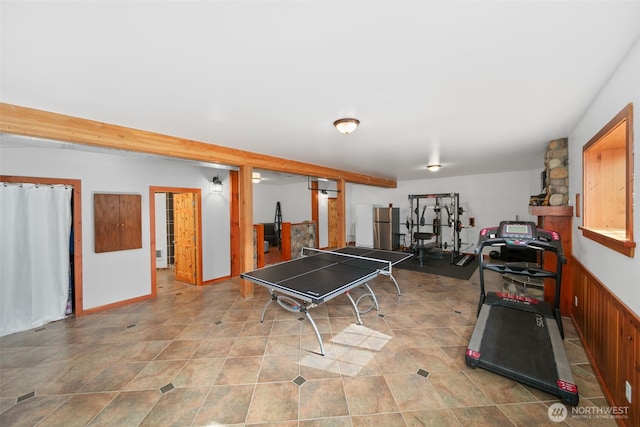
column 348, row 259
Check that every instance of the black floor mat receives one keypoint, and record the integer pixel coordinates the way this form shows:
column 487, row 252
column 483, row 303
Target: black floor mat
column 440, row 266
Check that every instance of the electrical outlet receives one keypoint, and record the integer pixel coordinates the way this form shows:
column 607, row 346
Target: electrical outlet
column 575, row 300
column 627, row 391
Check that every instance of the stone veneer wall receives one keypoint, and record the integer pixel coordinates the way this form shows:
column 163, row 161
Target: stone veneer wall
column 556, row 161
column 302, row 235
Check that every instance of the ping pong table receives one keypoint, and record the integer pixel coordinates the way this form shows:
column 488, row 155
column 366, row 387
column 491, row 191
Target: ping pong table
column 321, row 275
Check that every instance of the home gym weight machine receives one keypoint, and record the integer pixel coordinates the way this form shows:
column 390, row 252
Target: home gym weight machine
column 427, row 235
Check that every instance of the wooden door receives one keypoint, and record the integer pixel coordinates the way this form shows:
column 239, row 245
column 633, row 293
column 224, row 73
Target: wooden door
column 332, row 222
column 185, row 250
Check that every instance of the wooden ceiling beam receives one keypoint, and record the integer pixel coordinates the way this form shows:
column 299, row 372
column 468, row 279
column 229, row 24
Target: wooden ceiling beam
column 43, row 124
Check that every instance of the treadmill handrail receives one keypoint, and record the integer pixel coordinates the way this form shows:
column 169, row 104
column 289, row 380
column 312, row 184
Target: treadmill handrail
column 533, row 244
column 529, row 271
column 488, row 237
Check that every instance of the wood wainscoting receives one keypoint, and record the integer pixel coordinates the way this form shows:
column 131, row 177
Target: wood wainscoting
column 610, row 332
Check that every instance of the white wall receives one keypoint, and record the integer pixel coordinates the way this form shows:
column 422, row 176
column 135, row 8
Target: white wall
column 488, row 198
column 161, row 230
column 116, row 276
column 323, row 220
column 619, row 273
column 295, row 202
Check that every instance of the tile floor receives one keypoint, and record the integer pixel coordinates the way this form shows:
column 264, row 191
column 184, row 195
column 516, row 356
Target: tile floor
column 199, row 356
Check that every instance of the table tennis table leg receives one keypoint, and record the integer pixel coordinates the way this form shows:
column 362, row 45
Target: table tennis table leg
column 388, row 273
column 373, row 297
column 355, row 308
column 315, row 328
column 294, row 306
column 264, row 310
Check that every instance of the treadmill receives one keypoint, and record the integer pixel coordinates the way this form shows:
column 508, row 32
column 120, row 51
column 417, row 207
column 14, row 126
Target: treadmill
column 517, row 336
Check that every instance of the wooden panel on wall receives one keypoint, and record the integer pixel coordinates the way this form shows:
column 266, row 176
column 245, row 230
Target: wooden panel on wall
column 131, row 214
column 610, row 332
column 630, row 347
column 106, row 223
column 117, row 222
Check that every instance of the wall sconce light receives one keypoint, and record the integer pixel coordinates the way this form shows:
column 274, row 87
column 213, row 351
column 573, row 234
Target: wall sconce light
column 434, row 167
column 346, row 126
column 255, row 177
column 216, row 185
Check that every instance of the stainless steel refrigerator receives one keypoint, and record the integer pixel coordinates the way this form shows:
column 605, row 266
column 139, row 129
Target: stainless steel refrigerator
column 386, row 228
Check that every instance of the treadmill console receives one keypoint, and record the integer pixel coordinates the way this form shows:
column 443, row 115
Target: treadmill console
column 520, row 234
column 517, row 233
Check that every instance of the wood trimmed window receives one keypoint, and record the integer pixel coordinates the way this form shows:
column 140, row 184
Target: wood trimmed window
column 607, row 161
column 117, row 222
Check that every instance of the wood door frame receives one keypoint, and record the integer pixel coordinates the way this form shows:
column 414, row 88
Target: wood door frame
column 331, row 229
column 77, row 229
column 152, row 235
column 315, row 215
column 234, row 214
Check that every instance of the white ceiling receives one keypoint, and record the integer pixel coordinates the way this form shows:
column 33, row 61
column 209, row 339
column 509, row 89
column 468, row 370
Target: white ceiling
column 478, row 86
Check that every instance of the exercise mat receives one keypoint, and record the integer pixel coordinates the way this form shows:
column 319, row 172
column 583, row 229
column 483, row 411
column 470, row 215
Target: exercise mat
column 441, row 266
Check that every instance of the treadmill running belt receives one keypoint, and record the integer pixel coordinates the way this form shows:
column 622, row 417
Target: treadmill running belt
column 516, row 342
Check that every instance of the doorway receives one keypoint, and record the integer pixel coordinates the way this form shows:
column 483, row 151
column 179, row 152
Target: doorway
column 75, row 257
column 177, row 252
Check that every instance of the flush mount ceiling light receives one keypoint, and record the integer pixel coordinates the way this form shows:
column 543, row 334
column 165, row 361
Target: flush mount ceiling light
column 255, row 177
column 434, row 167
column 346, row 126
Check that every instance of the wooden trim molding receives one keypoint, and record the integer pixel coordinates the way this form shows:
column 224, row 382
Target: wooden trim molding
column 625, row 247
column 216, row 280
column 118, row 304
column 43, row 124
column 551, row 210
